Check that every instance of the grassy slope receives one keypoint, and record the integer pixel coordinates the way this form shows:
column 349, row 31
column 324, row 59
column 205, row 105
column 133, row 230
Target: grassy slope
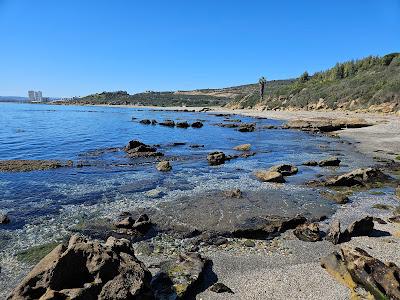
column 350, row 85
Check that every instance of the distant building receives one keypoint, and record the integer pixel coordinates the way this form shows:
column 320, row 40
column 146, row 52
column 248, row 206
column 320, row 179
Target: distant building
column 31, row 95
column 35, row 96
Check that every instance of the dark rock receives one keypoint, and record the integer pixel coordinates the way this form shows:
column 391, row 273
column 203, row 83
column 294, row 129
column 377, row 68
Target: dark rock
column 87, row 270
column 136, row 149
column 268, row 227
column 216, row 158
column 360, row 227
column 125, row 223
column 357, row 177
column 334, row 233
column 219, row 287
column 164, row 166
column 308, row 232
column 154, row 122
column 196, row 146
column 178, row 144
column 284, row 169
column 168, row 123
column 4, row 219
column 355, row 268
column 236, row 193
column 269, row 176
column 325, row 124
column 197, row 124
column 394, row 219
column 339, row 198
column 379, row 220
column 332, row 161
column 228, row 125
column 311, row 163
column 269, row 127
column 248, row 127
column 182, row 124
column 145, row 122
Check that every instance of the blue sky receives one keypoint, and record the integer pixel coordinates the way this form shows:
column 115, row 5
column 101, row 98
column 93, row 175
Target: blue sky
column 67, row 48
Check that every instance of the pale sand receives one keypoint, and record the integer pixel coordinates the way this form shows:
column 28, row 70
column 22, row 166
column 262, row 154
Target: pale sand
column 299, row 274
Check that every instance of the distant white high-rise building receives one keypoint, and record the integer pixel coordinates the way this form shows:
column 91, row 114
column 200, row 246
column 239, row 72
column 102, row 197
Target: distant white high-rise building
column 35, row 96
column 31, row 95
column 38, row 96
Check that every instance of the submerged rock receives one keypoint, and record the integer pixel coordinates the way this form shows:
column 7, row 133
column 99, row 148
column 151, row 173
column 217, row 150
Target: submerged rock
column 87, row 270
column 308, row 232
column 164, row 166
column 136, row 149
column 235, row 193
column 216, row 158
column 269, row 176
column 4, row 219
column 32, row 165
column 354, row 267
column 339, row 198
column 145, row 122
column 284, row 169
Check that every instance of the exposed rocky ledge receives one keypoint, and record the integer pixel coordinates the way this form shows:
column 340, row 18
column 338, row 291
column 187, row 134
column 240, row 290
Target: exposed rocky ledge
column 326, row 124
column 32, row 165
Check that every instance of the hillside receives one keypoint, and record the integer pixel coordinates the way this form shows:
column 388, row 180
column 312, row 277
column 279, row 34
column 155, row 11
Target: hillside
column 371, row 83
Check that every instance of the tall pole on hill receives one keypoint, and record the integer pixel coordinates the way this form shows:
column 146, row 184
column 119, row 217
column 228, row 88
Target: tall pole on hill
column 262, row 81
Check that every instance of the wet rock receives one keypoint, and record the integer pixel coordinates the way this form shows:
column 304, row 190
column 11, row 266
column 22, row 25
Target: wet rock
column 354, row 268
column 331, row 161
column 269, row 176
column 394, row 219
column 334, row 233
column 32, row 165
column 269, row 127
column 243, row 147
column 216, row 158
column 168, row 123
column 87, row 270
column 357, row 177
column 197, row 124
column 178, row 278
column 145, row 122
column 228, row 125
column 235, row 193
column 267, row 227
column 339, row 198
column 154, row 122
column 308, row 232
column 285, row 169
column 136, row 149
column 182, row 124
column 4, row 219
column 311, row 163
column 164, row 166
column 219, row 287
column 247, row 127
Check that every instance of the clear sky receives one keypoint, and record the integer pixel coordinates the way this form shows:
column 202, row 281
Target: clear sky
column 77, row 47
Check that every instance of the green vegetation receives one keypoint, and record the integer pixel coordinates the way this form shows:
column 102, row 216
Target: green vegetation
column 35, row 254
column 369, row 83
column 381, row 206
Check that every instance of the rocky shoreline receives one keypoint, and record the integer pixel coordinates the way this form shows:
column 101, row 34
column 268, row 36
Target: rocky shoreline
column 196, row 247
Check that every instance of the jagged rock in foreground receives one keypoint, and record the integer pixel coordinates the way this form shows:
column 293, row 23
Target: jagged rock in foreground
column 360, row 177
column 361, row 227
column 32, row 165
column 355, row 268
column 87, row 270
column 269, row 176
column 308, row 232
column 136, row 149
column 284, row 169
column 178, row 279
